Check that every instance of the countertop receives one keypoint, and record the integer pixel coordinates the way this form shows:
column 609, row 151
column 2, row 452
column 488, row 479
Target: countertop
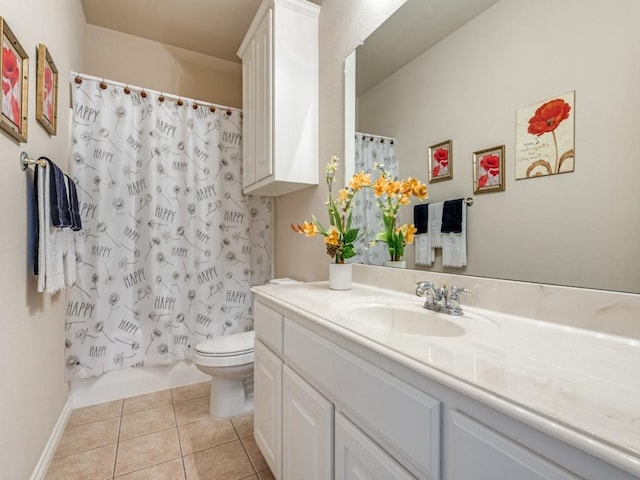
column 581, row 387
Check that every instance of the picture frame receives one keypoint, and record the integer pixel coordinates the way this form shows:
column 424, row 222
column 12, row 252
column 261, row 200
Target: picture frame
column 15, row 85
column 46, row 91
column 441, row 161
column 488, row 170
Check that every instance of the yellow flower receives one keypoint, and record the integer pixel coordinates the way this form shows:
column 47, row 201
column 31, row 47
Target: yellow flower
column 342, row 195
column 332, row 237
column 309, row 229
column 409, row 235
column 379, row 186
column 360, row 180
column 393, row 188
column 420, row 191
column 404, row 199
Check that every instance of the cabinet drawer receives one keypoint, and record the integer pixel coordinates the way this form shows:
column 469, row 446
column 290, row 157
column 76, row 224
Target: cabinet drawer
column 267, row 324
column 478, row 452
column 399, row 417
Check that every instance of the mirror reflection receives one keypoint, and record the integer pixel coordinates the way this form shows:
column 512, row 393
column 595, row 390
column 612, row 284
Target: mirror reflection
column 579, row 228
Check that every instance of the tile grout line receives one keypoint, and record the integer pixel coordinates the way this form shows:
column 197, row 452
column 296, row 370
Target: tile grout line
column 175, row 417
column 115, row 457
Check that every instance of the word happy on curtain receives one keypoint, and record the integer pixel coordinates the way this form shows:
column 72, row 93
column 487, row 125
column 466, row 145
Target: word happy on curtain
column 170, row 246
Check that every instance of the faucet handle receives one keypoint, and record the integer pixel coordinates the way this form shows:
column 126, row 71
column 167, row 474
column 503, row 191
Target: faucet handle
column 455, row 291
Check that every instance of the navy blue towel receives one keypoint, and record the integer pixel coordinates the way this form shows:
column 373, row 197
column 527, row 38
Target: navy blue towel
column 421, row 217
column 76, row 221
column 452, row 216
column 36, row 225
column 58, row 198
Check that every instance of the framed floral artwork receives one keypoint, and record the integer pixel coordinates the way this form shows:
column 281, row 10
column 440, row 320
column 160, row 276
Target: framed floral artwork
column 47, row 91
column 440, row 162
column 488, row 170
column 15, row 82
column 545, row 137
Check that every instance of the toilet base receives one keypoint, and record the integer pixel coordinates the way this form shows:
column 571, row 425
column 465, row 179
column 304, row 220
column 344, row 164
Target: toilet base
column 231, row 397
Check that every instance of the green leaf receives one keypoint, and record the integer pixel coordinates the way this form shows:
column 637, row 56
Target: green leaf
column 348, row 251
column 350, row 236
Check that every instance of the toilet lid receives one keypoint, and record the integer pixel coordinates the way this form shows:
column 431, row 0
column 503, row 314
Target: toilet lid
column 227, row 345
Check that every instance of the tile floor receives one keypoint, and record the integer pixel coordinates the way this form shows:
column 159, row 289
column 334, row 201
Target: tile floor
column 166, row 435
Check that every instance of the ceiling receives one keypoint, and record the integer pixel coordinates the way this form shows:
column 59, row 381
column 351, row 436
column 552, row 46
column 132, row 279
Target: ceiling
column 211, row 27
column 414, row 28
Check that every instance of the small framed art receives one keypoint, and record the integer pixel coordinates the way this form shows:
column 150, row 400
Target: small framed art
column 15, row 83
column 440, row 162
column 47, row 91
column 488, row 170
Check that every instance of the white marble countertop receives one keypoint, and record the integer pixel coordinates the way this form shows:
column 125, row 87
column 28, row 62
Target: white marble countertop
column 581, row 387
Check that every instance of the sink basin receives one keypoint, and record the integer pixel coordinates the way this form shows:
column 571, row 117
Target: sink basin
column 408, row 320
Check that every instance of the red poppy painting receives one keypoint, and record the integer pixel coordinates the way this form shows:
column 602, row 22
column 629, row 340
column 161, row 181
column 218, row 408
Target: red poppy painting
column 545, row 137
column 488, row 170
column 440, row 162
column 46, row 91
column 15, row 69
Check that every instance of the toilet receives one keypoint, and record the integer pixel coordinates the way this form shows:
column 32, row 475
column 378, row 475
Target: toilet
column 229, row 361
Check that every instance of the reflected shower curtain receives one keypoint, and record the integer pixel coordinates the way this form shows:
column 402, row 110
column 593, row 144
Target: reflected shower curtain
column 369, row 150
column 170, row 246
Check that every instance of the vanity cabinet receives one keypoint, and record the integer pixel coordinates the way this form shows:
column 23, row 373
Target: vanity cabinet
column 280, row 98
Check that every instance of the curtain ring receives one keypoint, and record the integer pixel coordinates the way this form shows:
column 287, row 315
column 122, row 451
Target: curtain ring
column 143, row 94
column 195, row 106
column 127, row 90
column 180, row 102
column 212, row 109
column 161, row 98
column 78, row 80
column 103, row 85
column 228, row 112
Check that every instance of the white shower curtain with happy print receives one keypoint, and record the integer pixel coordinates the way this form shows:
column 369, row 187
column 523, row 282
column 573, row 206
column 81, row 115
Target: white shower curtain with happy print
column 170, row 245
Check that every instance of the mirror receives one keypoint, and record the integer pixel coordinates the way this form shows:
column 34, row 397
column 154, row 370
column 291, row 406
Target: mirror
column 576, row 229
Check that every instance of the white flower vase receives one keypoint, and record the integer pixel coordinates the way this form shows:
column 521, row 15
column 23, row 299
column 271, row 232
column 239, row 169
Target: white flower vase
column 395, row 263
column 340, row 276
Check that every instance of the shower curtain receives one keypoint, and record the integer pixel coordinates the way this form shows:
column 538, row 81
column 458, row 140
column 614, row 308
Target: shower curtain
column 369, row 150
column 170, row 245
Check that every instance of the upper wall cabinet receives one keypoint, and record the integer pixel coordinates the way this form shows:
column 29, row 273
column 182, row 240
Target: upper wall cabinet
column 280, row 98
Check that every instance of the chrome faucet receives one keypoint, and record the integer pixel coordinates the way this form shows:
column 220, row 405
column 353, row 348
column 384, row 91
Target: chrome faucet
column 440, row 299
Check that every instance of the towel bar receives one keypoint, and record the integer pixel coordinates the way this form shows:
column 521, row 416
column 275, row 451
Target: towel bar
column 25, row 161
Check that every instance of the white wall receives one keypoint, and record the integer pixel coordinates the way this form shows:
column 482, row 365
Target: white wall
column 145, row 63
column 33, row 390
column 579, row 228
column 343, row 26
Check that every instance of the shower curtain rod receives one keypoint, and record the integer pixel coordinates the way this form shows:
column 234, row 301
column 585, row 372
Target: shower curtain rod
column 155, row 92
column 376, row 136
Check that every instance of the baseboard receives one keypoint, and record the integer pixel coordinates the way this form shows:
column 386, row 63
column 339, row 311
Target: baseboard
column 50, row 447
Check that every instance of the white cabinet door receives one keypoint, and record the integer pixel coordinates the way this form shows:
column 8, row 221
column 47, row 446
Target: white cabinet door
column 249, row 115
column 267, row 415
column 307, row 432
column 358, row 458
column 263, row 101
column 478, row 453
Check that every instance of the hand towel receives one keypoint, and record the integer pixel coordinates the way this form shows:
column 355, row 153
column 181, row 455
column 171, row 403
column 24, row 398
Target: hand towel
column 421, row 217
column 435, row 224
column 452, row 216
column 36, row 218
column 454, row 244
column 74, row 209
column 423, row 253
column 41, row 262
column 52, row 272
column 59, row 199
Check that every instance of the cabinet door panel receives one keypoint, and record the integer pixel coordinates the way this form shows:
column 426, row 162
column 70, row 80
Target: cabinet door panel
column 263, row 165
column 307, row 432
column 477, row 452
column 358, row 458
column 249, row 115
column 267, row 415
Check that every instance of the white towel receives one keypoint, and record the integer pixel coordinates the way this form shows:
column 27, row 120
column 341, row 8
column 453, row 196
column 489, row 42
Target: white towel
column 454, row 245
column 435, row 224
column 424, row 254
column 51, row 277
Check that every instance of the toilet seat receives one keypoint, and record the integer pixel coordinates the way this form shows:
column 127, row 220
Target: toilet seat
column 225, row 351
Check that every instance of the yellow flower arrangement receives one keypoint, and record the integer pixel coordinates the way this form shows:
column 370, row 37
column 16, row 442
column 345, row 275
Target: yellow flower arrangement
column 339, row 238
column 391, row 194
